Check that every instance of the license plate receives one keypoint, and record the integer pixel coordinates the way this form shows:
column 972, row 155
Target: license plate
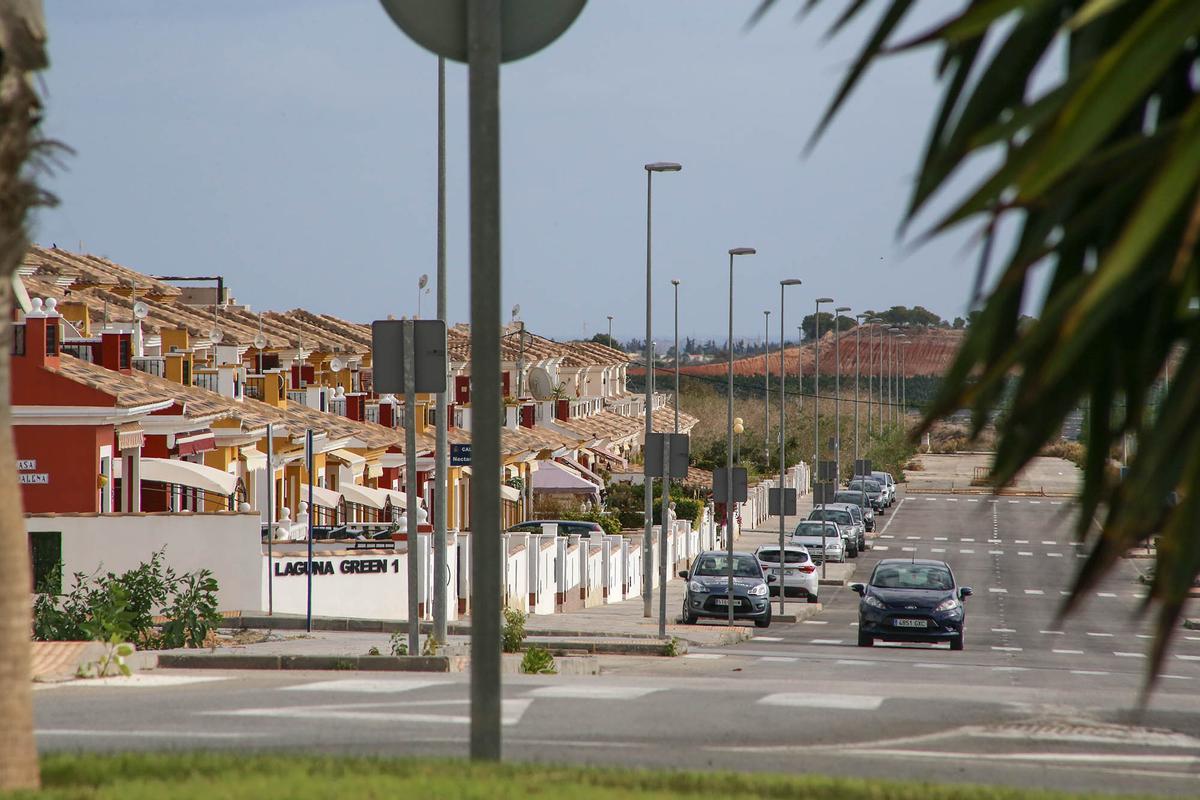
column 722, row 601
column 911, row 623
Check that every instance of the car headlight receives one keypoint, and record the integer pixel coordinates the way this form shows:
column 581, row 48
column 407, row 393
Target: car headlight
column 759, row 590
column 949, row 604
column 696, row 587
column 873, row 601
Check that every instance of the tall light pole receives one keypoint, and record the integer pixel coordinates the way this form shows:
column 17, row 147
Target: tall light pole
column 442, row 462
column 800, row 363
column 858, row 319
column 882, row 327
column 736, row 251
column 904, row 345
column 610, row 339
column 767, row 384
column 648, row 482
column 817, row 391
column 675, row 283
column 782, row 436
column 837, row 346
column 892, row 393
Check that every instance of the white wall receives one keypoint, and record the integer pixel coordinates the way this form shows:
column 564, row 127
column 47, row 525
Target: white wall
column 227, row 543
column 353, row 587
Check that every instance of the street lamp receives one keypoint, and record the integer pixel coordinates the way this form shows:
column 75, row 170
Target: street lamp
column 817, row 391
column 675, row 283
column 892, row 374
column 648, row 482
column 782, row 435
column 736, row 251
column 767, row 384
column 858, row 319
column 837, row 346
column 905, row 343
column 610, row 339
column 800, row 363
column 880, row 326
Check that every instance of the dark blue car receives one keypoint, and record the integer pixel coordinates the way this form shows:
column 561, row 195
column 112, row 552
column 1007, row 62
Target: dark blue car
column 911, row 600
column 707, row 592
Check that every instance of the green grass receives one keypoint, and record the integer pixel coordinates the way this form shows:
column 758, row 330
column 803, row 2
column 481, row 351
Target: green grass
column 213, row 776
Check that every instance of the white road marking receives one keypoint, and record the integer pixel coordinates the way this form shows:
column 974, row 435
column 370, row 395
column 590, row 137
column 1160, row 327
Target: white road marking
column 995, row 552
column 1009, row 669
column 1088, row 672
column 1093, row 633
column 908, row 549
column 1020, row 541
column 931, row 499
column 779, row 659
column 1056, row 502
column 1177, row 677
column 1014, row 502
column 1064, row 593
column 940, row 539
column 850, row 662
column 1019, row 552
column 886, row 536
column 994, row 541
column 365, row 685
column 1034, row 591
column 880, row 547
column 842, row 702
column 705, row 656
column 1049, row 541
column 826, row 641
column 1008, row 649
column 1192, row 638
column 1128, row 655
column 1053, row 633
column 1182, row 657
column 768, row 638
column 592, row 691
column 816, row 622
column 937, row 549
column 1004, row 630
column 913, row 538
column 1106, row 594
column 105, row 734
column 964, row 539
column 511, row 712
column 1054, row 555
column 1068, row 652
column 1144, row 636
column 1035, row 502
column 965, row 550
column 138, row 680
column 994, row 590
column 926, row 665
column 972, row 500
column 951, row 499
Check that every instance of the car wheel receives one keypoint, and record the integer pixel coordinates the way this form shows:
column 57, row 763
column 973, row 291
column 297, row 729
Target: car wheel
column 765, row 622
column 865, row 640
column 687, row 618
column 957, row 643
column 854, row 553
column 812, row 598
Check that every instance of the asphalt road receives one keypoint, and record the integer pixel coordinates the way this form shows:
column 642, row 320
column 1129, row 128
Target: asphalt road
column 1030, row 702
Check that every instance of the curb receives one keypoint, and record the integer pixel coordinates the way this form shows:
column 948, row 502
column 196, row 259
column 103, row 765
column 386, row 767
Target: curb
column 350, row 624
column 313, row 662
column 657, row 647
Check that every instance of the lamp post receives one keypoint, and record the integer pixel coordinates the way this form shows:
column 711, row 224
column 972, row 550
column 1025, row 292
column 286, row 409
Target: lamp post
column 904, row 345
column 837, row 347
column 610, row 339
column 782, row 435
column 858, row 319
column 767, row 385
column 882, row 351
column 800, row 363
column 675, row 283
column 648, row 482
column 736, row 251
column 817, row 391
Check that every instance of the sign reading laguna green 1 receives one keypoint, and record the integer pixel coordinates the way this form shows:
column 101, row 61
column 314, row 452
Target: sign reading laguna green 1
column 362, row 566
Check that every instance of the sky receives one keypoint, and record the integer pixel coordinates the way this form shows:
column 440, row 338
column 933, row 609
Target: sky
column 290, row 146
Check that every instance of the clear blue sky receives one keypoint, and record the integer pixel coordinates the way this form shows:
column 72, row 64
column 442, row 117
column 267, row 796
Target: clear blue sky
column 290, row 146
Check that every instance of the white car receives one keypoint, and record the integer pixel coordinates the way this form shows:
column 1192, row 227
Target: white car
column 799, row 577
column 822, row 540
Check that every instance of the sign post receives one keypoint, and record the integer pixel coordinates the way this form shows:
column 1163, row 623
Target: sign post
column 667, row 456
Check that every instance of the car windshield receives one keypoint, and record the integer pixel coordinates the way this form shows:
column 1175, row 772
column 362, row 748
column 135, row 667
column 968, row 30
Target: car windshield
column 789, row 556
column 715, row 565
column 872, row 487
column 853, row 498
column 831, row 514
column 815, row 529
column 912, row 576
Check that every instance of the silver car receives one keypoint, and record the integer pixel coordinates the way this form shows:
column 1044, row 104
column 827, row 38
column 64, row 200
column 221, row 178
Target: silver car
column 822, row 540
column 841, row 514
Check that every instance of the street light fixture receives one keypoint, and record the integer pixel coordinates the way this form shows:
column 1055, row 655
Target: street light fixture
column 648, row 482
column 610, row 339
column 782, row 435
column 837, row 346
column 767, row 384
column 736, row 251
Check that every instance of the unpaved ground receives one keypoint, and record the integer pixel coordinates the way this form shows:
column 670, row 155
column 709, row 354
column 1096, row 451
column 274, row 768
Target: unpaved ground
column 955, row 471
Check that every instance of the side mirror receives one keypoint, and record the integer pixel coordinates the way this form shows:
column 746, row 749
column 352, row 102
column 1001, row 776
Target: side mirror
column 858, row 588
column 772, row 579
column 683, row 573
column 965, row 592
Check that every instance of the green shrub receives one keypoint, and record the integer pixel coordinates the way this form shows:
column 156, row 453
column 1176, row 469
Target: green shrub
column 399, row 643
column 609, row 522
column 192, row 614
column 512, row 635
column 538, row 661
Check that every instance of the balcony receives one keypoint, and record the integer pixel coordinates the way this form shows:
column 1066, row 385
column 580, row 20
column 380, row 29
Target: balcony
column 151, row 365
column 206, row 379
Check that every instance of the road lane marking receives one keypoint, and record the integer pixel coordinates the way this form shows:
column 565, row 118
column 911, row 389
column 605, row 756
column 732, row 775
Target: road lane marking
column 1053, row 633
column 1182, row 657
column 1054, row 555
column 994, row 590
column 1121, row 654
column 940, row 539
column 972, row 500
column 1034, row 591
column 511, row 713
column 995, row 552
column 1093, row 633
column 779, row 659
column 965, row 550
column 592, row 691
column 826, row 641
column 1020, row 541
column 1019, row 552
column 880, row 547
column 1068, row 652
column 951, row 499
column 138, row 680
column 1106, row 594
column 365, row 685
column 706, row 656
column 937, row 549
column 851, row 662
column 1177, row 677
column 1049, row 541
column 1004, row 630
column 1064, row 593
column 768, row 638
column 816, row 622
column 965, row 539
column 1008, row 649
column 927, row 665
column 908, row 549
column 913, row 538
column 1088, row 672
column 1035, row 502
column 1013, row 502
column 841, row 702
column 1009, row 669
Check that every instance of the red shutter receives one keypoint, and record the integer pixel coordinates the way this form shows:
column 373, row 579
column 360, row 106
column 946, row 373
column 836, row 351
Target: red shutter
column 506, row 391
column 462, row 389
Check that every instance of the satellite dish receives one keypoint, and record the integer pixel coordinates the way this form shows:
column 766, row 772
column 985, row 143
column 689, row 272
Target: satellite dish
column 215, row 336
column 540, row 384
column 260, row 341
column 336, row 364
column 140, row 310
column 423, row 282
column 516, row 310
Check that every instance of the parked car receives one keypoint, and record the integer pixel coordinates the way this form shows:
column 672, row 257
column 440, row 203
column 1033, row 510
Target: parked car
column 911, row 600
column 707, row 593
column 861, row 501
column 798, row 577
column 566, row 527
column 874, row 490
column 859, row 527
column 889, row 484
column 822, row 540
column 844, row 518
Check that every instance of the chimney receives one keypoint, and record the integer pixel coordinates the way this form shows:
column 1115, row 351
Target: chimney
column 43, row 333
column 356, row 406
column 274, row 392
column 387, row 411
column 116, row 351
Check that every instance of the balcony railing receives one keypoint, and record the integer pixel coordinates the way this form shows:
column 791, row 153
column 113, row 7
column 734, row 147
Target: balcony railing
column 297, row 396
column 152, row 365
column 205, row 380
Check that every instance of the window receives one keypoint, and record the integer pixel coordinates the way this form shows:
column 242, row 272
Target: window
column 18, row 345
column 52, row 339
column 124, row 353
column 45, row 553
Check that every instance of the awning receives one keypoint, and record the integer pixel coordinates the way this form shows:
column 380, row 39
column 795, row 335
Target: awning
column 352, row 460
column 364, row 495
column 604, row 452
column 509, row 493
column 587, row 473
column 399, row 499
column 325, row 498
column 374, row 470
column 554, row 478
column 194, row 443
column 130, row 436
column 184, row 473
column 254, row 458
